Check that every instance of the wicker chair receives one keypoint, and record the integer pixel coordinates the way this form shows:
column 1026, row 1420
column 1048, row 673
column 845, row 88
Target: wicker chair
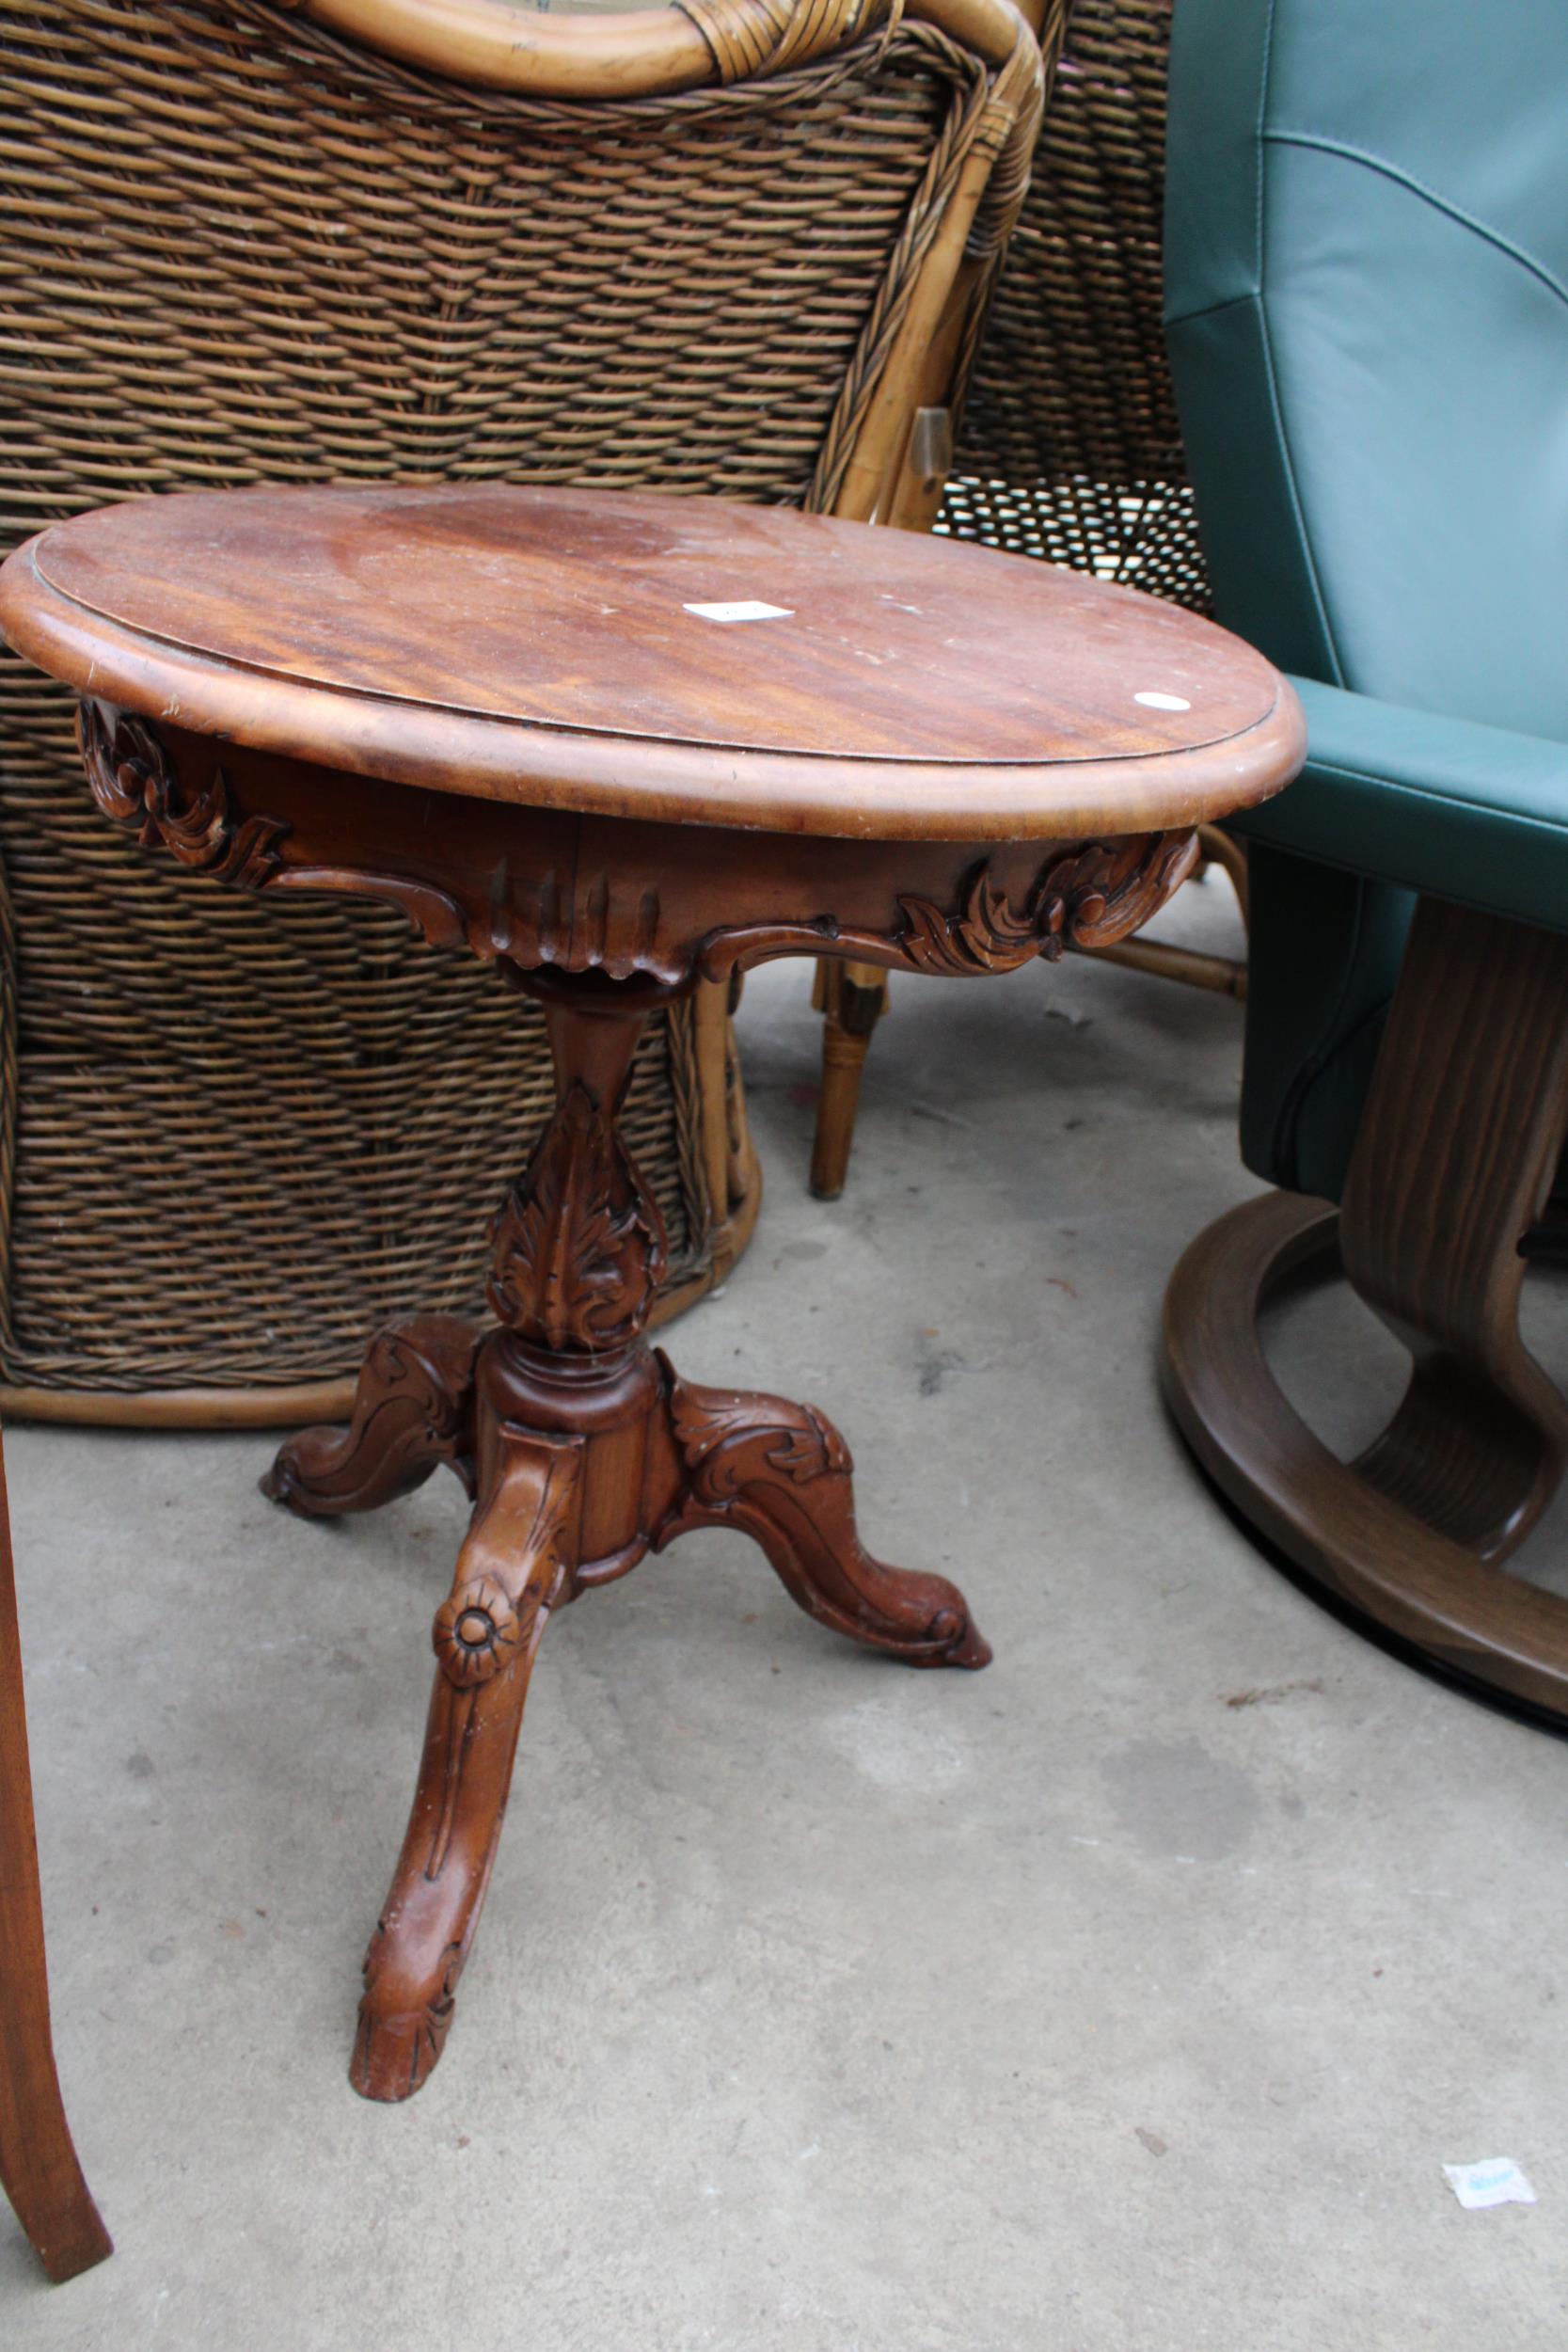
column 1069, row 449
column 729, row 246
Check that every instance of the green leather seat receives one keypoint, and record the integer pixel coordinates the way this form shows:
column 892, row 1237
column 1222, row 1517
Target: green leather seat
column 1367, row 302
column 1392, row 801
column 1367, row 311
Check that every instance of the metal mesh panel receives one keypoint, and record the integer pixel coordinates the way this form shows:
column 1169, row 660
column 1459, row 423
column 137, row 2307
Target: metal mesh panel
column 1071, row 449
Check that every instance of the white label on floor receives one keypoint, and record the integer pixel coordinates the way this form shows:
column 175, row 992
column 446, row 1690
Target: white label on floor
column 1493, row 2181
column 741, row 611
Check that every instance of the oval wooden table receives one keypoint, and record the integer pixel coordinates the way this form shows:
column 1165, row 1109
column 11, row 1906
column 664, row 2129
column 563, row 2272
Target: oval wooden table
column 614, row 743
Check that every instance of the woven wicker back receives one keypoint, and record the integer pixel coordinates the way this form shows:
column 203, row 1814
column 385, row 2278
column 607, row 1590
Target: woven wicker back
column 1071, row 448
column 244, row 249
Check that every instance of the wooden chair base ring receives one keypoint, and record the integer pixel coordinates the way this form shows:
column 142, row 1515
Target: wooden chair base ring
column 1443, row 1598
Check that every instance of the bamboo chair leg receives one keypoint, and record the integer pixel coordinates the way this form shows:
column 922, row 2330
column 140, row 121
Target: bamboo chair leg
column 39, row 2168
column 852, row 998
column 1218, row 848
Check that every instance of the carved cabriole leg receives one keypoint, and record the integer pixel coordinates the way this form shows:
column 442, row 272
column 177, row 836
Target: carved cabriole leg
column 411, row 1412
column 513, row 1570
column 782, row 1474
column 577, row 1250
column 1462, row 1133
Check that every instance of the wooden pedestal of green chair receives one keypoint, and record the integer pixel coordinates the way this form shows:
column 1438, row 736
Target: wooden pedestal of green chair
column 1457, row 1146
column 1368, row 281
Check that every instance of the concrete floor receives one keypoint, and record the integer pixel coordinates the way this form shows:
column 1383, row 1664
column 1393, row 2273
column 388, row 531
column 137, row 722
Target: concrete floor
column 1127, row 1996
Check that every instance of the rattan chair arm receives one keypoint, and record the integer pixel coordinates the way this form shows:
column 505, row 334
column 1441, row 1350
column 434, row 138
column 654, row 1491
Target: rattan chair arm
column 931, row 359
column 637, row 53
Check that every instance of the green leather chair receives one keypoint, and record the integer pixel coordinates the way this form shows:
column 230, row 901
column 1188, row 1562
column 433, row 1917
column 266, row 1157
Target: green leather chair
column 1366, row 307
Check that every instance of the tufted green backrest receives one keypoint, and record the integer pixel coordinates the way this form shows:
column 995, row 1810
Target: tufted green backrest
column 1367, row 297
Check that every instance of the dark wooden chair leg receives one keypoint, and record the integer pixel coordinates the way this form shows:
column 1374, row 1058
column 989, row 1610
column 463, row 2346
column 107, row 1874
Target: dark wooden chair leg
column 852, row 998
column 513, row 1569
column 38, row 2167
column 1462, row 1134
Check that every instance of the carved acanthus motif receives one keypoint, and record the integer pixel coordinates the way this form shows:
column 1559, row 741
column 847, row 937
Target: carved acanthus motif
column 1114, row 887
column 725, row 1437
column 986, row 934
column 133, row 783
column 579, row 1246
column 1085, row 900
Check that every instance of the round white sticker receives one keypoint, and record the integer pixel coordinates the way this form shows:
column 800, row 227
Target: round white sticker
column 1162, row 702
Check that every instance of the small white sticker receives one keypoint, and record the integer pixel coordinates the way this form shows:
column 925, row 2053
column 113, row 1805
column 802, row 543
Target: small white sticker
column 741, row 611
column 1493, row 2181
column 1162, row 702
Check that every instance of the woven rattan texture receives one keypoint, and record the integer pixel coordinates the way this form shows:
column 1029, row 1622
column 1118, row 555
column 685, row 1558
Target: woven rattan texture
column 1071, row 448
column 240, row 250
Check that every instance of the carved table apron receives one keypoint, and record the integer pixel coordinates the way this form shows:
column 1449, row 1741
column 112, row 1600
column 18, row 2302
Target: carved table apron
column 499, row 710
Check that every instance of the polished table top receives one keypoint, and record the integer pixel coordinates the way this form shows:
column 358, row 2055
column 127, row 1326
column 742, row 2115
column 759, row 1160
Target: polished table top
column 674, row 659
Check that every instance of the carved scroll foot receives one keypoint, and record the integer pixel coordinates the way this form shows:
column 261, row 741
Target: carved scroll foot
column 513, row 1569
column 782, row 1473
column 413, row 1410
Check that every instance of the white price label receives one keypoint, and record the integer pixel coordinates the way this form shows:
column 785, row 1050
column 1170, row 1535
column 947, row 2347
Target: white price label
column 741, row 611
